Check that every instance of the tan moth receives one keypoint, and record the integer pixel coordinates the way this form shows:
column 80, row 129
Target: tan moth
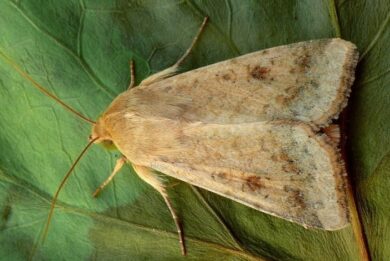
column 255, row 129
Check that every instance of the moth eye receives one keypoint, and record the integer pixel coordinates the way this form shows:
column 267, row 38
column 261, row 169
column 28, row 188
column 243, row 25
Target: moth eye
column 108, row 144
column 90, row 137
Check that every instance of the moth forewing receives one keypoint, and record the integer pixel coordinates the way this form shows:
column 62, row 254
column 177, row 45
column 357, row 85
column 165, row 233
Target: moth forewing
column 248, row 129
column 306, row 81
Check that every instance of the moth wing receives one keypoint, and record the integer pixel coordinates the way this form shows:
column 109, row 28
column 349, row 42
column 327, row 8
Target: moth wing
column 281, row 168
column 307, row 81
column 228, row 129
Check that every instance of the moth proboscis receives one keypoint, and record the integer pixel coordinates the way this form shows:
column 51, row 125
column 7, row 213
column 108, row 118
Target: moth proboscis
column 254, row 129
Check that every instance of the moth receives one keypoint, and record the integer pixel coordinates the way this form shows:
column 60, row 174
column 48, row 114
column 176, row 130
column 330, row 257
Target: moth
column 256, row 129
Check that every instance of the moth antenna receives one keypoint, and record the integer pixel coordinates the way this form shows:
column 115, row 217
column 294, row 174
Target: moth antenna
column 132, row 75
column 43, row 90
column 54, row 200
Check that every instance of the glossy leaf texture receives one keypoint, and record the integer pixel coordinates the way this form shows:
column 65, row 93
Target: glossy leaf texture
column 80, row 51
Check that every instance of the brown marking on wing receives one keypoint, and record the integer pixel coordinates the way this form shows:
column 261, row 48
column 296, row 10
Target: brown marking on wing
column 168, row 88
column 280, row 157
column 254, row 183
column 296, row 197
column 299, row 198
column 226, row 77
column 221, row 177
column 303, row 63
column 229, row 76
column 260, row 73
column 290, row 167
column 292, row 93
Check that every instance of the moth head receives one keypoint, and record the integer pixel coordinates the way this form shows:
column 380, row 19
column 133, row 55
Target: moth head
column 100, row 134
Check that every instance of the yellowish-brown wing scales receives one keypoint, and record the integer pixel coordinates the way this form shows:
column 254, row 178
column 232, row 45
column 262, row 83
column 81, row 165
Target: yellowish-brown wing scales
column 278, row 167
column 306, row 81
column 281, row 167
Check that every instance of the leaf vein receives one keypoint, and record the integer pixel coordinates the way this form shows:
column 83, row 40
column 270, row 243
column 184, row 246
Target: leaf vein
column 377, row 36
column 226, row 39
column 215, row 215
column 81, row 61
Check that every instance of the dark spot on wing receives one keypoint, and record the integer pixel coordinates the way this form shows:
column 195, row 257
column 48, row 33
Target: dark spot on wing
column 290, row 167
column 222, row 177
column 302, row 62
column 260, row 72
column 229, row 75
column 195, row 83
column 314, row 83
column 291, row 93
column 226, row 77
column 296, row 197
column 254, row 183
column 168, row 88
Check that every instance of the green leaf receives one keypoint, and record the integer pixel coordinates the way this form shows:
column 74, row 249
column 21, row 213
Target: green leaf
column 80, row 50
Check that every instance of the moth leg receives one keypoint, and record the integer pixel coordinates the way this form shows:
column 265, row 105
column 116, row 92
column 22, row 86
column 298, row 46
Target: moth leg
column 194, row 41
column 132, row 75
column 119, row 164
column 170, row 71
column 155, row 181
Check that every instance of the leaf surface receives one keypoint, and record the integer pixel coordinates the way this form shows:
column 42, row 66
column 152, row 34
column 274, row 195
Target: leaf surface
column 80, row 51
